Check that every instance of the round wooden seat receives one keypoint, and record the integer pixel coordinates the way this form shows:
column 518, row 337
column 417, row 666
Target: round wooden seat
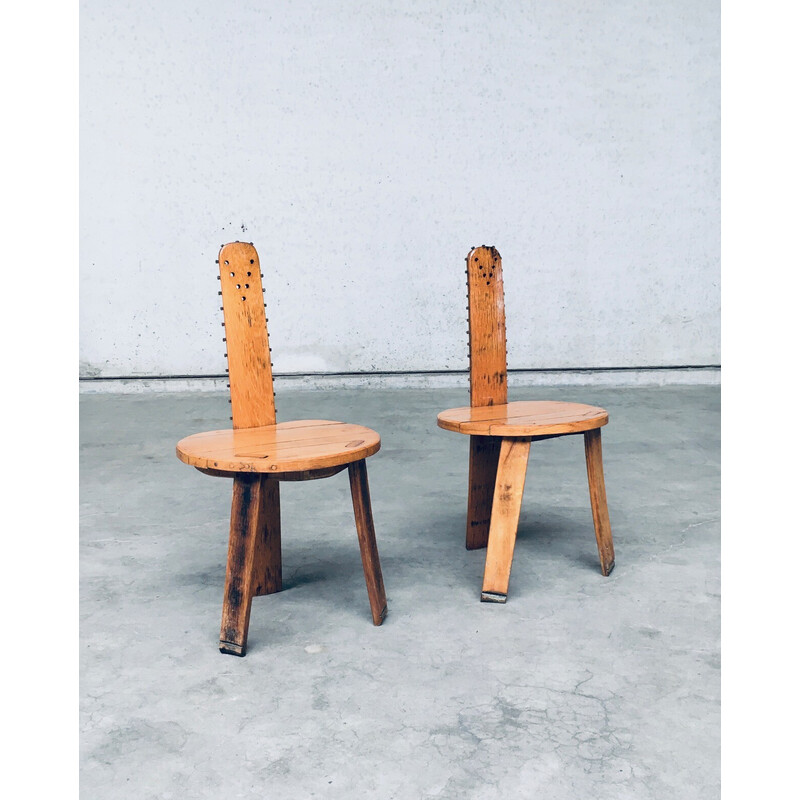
column 286, row 447
column 524, row 418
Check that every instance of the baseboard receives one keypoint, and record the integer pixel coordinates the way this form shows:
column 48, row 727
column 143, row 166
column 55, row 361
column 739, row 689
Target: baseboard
column 708, row 375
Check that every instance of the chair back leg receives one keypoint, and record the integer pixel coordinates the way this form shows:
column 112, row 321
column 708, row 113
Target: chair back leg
column 267, row 570
column 483, row 454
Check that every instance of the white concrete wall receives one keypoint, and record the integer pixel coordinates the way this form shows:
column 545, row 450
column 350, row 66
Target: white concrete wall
column 364, row 147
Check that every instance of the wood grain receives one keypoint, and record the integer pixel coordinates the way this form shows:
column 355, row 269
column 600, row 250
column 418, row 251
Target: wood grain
column 597, row 494
column 258, row 453
column 511, row 469
column 497, row 471
column 487, row 328
column 267, row 566
column 306, row 474
column 254, row 564
column 303, row 475
column 362, row 507
column 523, row 418
column 483, row 454
column 286, row 447
column 247, row 339
column 487, row 381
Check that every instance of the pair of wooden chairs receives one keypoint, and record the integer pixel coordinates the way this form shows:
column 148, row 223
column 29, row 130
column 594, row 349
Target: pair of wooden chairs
column 259, row 453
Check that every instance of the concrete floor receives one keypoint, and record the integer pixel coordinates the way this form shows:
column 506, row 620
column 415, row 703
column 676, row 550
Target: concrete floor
column 579, row 687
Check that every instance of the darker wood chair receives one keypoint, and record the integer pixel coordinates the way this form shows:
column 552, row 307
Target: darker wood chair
column 259, row 453
column 501, row 434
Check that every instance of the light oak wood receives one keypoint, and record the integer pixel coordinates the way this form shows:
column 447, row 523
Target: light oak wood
column 597, row 494
column 483, row 454
column 246, row 336
column 307, row 474
column 487, row 381
column 268, row 571
column 365, row 528
column 524, row 418
column 509, row 487
column 254, row 556
column 285, row 447
column 487, row 328
column 258, row 453
column 303, row 475
column 500, row 432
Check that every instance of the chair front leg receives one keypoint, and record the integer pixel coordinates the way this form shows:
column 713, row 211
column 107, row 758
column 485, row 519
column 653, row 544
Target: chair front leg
column 365, row 527
column 597, row 493
column 509, row 486
column 254, row 560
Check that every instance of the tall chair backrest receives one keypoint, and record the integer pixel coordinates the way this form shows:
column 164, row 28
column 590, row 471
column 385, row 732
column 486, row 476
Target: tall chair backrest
column 487, row 328
column 246, row 337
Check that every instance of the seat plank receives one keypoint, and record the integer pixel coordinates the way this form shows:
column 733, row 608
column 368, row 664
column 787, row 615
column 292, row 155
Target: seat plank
column 524, row 418
column 285, row 447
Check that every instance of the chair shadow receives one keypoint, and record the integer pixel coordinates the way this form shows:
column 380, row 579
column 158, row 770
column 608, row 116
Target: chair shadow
column 429, row 548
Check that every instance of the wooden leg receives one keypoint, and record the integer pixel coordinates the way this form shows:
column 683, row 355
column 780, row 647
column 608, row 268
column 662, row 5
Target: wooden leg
column 359, row 487
column 254, row 560
column 509, row 486
column 483, row 454
column 597, row 493
column 267, row 572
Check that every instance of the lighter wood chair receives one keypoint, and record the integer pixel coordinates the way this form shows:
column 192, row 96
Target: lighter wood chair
column 258, row 453
column 501, row 434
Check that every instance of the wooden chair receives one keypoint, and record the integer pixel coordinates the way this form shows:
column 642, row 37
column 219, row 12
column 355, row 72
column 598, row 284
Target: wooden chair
column 501, row 434
column 258, row 453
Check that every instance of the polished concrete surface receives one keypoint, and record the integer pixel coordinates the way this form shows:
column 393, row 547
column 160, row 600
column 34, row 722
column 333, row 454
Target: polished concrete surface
column 579, row 687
